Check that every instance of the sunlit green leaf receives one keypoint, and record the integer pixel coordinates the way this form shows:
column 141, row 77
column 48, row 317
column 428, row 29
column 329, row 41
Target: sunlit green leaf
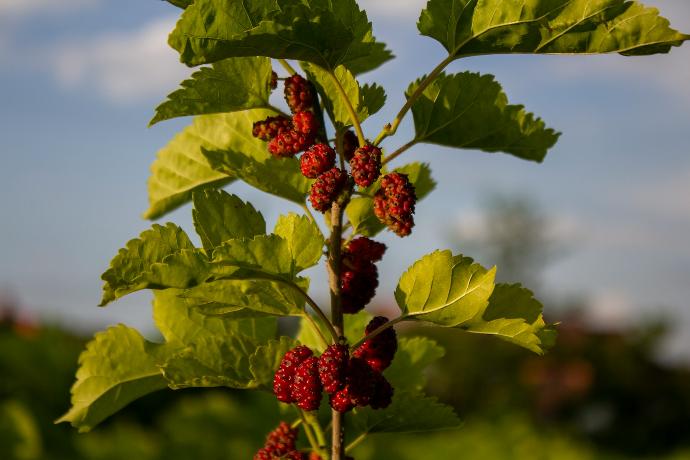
column 304, row 240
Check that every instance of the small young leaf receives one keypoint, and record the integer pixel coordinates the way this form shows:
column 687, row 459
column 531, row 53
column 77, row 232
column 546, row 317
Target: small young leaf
column 471, row 111
column 219, row 216
column 304, row 240
column 409, row 412
column 266, row 359
column 414, row 355
column 229, row 85
column 469, row 28
column 117, row 367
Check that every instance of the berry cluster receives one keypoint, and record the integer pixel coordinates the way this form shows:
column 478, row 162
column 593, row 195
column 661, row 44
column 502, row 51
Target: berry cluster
column 366, row 165
column 350, row 381
column 359, row 276
column 280, row 443
column 394, row 203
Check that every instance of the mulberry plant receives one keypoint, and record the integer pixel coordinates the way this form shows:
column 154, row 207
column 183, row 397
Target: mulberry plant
column 278, row 105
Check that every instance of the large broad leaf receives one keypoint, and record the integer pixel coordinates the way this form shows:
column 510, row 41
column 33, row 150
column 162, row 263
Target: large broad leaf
column 229, row 85
column 117, row 367
column 409, row 412
column 360, row 211
column 414, row 355
column 514, row 315
column 219, row 216
column 266, row 359
column 472, row 27
column 247, row 158
column 471, row 111
column 163, row 255
column 339, row 89
column 325, row 32
column 181, row 168
column 304, row 239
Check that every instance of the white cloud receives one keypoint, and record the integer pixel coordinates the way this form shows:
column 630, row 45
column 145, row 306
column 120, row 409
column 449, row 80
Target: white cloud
column 22, row 8
column 123, row 66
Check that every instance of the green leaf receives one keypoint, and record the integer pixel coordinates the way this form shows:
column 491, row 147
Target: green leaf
column 181, row 168
column 181, row 3
column 247, row 158
column 117, row 367
column 409, row 412
column 356, row 325
column 307, row 336
column 262, row 254
column 339, row 89
column 160, row 254
column 471, row 111
column 469, row 27
column 248, row 298
column 181, row 321
column 266, row 359
column 229, row 85
column 304, row 239
column 325, row 32
column 516, row 316
column 212, row 362
column 360, row 211
column 219, row 216
column 445, row 289
column 414, row 355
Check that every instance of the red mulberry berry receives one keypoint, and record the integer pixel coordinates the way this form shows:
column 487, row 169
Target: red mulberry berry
column 289, row 143
column 341, row 401
column 383, row 392
column 333, row 368
column 305, row 123
column 318, row 159
column 358, row 287
column 360, row 382
column 394, row 203
column 284, row 376
column 279, row 443
column 273, row 84
column 270, row 127
column 366, row 165
column 378, row 351
column 306, row 386
column 363, row 250
column 350, row 144
column 327, row 188
column 299, row 94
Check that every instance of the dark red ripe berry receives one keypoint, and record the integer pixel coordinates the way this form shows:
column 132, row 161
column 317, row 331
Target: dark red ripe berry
column 280, row 443
column 306, row 386
column 360, row 382
column 383, row 392
column 274, row 80
column 333, row 367
column 289, row 143
column 299, row 94
column 363, row 250
column 341, row 401
column 394, row 203
column 327, row 188
column 350, row 144
column 284, row 376
column 318, row 159
column 378, row 351
column 270, row 127
column 305, row 123
column 358, row 287
column 366, row 165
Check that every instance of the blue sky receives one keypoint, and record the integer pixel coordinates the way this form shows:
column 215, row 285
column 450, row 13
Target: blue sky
column 79, row 80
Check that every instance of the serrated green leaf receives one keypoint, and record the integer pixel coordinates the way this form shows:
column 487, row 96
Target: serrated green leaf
column 212, row 362
column 471, row 27
column 133, row 267
column 117, row 367
column 514, row 315
column 266, row 254
column 219, row 216
column 245, row 157
column 248, row 298
column 360, row 210
column 409, row 412
column 229, row 85
column 414, row 355
column 471, row 111
column 180, row 320
column 180, row 168
column 365, row 100
column 445, row 289
column 180, row 3
column 304, row 239
column 266, row 359
column 325, row 32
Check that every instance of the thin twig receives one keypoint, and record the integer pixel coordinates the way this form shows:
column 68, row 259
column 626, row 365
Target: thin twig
column 395, row 154
column 286, row 65
column 316, row 328
column 357, row 441
column 350, row 109
column 379, row 330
